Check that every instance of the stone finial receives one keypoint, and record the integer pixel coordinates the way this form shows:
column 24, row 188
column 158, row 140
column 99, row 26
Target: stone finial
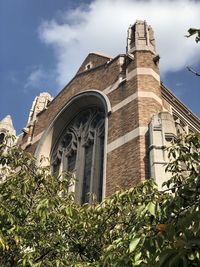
column 6, row 126
column 140, row 38
column 40, row 103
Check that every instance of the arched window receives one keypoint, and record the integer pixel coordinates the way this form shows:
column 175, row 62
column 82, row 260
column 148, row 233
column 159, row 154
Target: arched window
column 80, row 150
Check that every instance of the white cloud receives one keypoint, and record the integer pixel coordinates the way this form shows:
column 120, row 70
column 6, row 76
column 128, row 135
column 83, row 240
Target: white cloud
column 39, row 78
column 35, row 77
column 102, row 26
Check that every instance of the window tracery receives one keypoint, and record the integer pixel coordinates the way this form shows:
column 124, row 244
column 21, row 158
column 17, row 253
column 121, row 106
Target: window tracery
column 80, row 150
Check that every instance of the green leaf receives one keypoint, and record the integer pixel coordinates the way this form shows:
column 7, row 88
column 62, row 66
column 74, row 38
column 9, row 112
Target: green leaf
column 151, row 207
column 2, row 243
column 57, row 263
column 138, row 256
column 133, row 244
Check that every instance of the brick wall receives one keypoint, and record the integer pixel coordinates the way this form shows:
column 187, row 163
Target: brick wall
column 128, row 163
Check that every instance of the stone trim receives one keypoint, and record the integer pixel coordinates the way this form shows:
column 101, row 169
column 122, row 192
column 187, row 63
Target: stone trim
column 149, row 94
column 143, row 71
column 130, row 75
column 105, row 158
column 175, row 111
column 33, row 141
column 111, row 88
column 124, row 102
column 115, row 108
column 48, row 132
column 137, row 95
column 126, row 138
column 159, row 162
column 180, row 108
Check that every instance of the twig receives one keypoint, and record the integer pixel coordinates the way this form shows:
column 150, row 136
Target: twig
column 193, row 71
column 44, row 254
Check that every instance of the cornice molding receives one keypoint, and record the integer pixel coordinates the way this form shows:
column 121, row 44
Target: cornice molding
column 178, row 106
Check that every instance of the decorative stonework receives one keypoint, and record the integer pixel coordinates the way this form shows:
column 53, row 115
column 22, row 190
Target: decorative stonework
column 6, row 126
column 128, row 89
column 140, row 38
column 80, row 150
column 162, row 132
column 40, row 103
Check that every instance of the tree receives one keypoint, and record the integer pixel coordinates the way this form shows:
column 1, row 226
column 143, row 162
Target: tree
column 194, row 31
column 41, row 225
column 191, row 32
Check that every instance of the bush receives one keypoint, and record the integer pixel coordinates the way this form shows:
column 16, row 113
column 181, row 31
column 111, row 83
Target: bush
column 41, row 225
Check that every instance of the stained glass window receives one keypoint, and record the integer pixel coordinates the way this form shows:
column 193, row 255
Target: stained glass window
column 87, row 174
column 80, row 150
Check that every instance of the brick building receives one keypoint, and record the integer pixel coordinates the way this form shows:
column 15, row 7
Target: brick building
column 111, row 122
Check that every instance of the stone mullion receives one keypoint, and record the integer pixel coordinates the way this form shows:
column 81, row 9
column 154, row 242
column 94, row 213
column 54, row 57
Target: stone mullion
column 64, row 162
column 80, row 163
column 96, row 166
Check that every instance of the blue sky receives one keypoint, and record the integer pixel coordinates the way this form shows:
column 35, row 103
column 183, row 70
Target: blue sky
column 43, row 42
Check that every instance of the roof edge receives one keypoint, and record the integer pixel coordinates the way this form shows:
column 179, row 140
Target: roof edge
column 176, row 103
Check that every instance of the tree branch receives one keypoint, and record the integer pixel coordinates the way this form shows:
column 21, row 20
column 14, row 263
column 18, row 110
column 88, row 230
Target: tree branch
column 193, row 71
column 41, row 257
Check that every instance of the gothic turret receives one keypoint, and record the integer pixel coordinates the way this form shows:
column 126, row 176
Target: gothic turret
column 140, row 38
column 39, row 104
column 6, row 126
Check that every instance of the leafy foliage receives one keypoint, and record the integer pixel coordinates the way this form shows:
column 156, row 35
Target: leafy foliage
column 41, row 225
column 193, row 31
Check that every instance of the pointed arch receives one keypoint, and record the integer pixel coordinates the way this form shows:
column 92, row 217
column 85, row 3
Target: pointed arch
column 76, row 140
